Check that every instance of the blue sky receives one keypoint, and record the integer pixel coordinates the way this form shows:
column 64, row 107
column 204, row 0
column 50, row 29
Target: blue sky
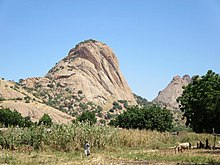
column 154, row 40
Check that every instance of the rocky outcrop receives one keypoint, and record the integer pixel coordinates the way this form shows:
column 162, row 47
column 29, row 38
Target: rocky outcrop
column 36, row 82
column 8, row 90
column 90, row 67
column 15, row 97
column 36, row 110
column 167, row 97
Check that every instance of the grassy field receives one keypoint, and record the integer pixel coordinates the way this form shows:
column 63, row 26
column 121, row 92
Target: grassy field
column 119, row 156
column 64, row 145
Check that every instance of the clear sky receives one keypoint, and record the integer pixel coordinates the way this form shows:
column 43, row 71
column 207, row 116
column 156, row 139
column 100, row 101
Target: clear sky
column 154, row 40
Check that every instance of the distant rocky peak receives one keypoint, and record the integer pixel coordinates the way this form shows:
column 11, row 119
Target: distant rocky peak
column 187, row 78
column 167, row 97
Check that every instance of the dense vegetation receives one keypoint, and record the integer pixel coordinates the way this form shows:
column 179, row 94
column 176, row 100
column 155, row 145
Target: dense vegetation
column 111, row 144
column 45, row 120
column 200, row 103
column 72, row 137
column 151, row 117
column 87, row 116
column 13, row 118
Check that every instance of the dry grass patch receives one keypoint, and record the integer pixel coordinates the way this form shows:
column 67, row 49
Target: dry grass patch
column 64, row 145
column 103, row 157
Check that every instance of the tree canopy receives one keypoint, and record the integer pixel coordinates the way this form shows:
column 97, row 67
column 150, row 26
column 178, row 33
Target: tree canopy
column 45, row 120
column 13, row 118
column 87, row 116
column 200, row 103
column 151, row 117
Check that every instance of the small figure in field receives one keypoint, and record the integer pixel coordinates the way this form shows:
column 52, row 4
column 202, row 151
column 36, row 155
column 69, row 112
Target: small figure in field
column 207, row 144
column 87, row 149
column 200, row 145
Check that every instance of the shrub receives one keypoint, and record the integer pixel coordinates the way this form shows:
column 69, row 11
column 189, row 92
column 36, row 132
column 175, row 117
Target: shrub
column 112, row 110
column 51, row 103
column 50, row 85
column 45, row 120
column 83, row 106
column 115, row 103
column 122, row 101
column 99, row 108
column 68, row 90
column 102, row 121
column 87, row 116
column 27, row 101
column 18, row 98
column 80, row 92
column 27, row 121
column 109, row 115
column 119, row 107
column 20, row 80
column 100, row 114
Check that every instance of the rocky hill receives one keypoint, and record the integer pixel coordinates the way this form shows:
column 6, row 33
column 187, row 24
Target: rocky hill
column 15, row 97
column 168, row 96
column 88, row 77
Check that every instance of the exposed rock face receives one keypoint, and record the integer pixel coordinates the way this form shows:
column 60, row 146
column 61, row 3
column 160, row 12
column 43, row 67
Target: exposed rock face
column 93, row 68
column 168, row 96
column 7, row 90
column 15, row 97
column 36, row 110
column 33, row 82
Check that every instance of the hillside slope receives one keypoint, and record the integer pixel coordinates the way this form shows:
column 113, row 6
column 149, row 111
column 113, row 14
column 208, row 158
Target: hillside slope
column 15, row 97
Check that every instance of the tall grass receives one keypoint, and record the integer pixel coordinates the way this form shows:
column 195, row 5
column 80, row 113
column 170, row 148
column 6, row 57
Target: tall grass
column 73, row 136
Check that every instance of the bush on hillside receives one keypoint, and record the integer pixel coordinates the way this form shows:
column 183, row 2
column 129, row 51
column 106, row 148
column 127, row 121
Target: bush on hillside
column 87, row 116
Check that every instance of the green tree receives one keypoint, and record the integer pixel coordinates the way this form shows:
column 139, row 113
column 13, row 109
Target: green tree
column 27, row 121
column 150, row 117
column 45, row 120
column 87, row 116
column 200, row 103
column 13, row 118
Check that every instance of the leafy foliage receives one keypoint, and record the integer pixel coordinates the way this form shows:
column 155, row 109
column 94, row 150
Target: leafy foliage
column 46, row 120
column 13, row 118
column 151, row 117
column 200, row 103
column 87, row 116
